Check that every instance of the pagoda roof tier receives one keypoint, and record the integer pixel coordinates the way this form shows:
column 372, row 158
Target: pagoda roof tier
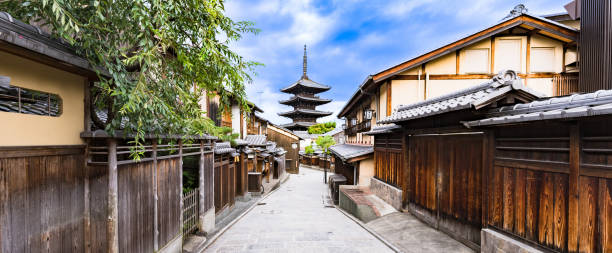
column 298, row 124
column 304, row 99
column 305, row 84
column 304, row 112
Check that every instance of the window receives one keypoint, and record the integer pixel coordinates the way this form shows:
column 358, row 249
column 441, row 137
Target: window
column 27, row 101
column 476, row 61
column 542, row 59
column 508, row 55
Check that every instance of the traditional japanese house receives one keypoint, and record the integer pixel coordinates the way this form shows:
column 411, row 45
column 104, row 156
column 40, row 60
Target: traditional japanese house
column 226, row 176
column 432, row 165
column 67, row 187
column 538, row 49
column 290, row 143
column 304, row 101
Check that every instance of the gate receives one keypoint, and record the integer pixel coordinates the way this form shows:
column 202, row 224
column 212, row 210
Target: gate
column 191, row 209
column 446, row 179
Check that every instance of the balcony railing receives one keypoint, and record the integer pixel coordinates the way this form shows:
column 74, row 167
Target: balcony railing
column 360, row 127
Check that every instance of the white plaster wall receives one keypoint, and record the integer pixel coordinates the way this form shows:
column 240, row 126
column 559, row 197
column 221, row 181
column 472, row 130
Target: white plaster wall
column 404, row 92
column 443, row 65
column 366, row 171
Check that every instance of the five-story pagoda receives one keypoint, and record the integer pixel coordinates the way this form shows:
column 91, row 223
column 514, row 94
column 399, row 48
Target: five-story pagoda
column 304, row 101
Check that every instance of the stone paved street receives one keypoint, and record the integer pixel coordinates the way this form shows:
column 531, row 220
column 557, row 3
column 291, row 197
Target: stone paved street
column 295, row 219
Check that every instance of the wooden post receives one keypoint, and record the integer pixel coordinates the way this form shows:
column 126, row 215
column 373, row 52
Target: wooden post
column 87, row 102
column 201, row 185
column 180, row 144
column 87, row 206
column 155, row 199
column 488, row 157
column 112, row 228
column 574, row 180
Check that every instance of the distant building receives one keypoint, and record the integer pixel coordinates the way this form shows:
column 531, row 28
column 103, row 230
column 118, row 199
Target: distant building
column 304, row 102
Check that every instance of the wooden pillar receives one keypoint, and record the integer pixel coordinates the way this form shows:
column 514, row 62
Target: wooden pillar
column 488, row 158
column 112, row 227
column 155, row 199
column 86, row 201
column 180, row 144
column 574, row 180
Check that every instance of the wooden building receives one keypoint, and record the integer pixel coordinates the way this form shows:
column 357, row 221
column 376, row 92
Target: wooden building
column 304, row 101
column 290, row 143
column 67, row 188
column 538, row 49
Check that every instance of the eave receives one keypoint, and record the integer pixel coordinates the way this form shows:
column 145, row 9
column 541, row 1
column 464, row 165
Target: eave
column 543, row 26
column 297, row 99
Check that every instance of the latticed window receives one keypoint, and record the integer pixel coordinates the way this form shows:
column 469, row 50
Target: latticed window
column 27, row 101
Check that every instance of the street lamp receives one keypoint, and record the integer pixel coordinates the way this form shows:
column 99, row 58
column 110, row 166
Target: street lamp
column 294, row 145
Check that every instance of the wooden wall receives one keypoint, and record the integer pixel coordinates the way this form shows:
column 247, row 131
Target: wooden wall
column 41, row 199
column 388, row 158
column 285, row 142
column 552, row 185
column 345, row 169
column 136, row 200
column 444, row 182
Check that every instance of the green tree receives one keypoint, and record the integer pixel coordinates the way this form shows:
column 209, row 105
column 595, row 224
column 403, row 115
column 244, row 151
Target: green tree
column 324, row 142
column 156, row 59
column 309, row 150
column 322, row 128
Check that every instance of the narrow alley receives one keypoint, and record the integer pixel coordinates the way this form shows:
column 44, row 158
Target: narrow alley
column 301, row 223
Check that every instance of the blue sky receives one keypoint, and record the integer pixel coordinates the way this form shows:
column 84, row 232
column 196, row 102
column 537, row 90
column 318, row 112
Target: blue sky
column 351, row 39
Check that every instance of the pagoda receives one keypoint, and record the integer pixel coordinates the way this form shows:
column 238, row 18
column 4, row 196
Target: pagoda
column 304, row 101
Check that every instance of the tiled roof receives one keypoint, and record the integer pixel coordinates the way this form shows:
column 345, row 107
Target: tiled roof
column 15, row 32
column 382, row 129
column 567, row 107
column 307, row 83
column 305, row 111
column 305, row 135
column 474, row 97
column 223, row 148
column 334, row 132
column 256, row 140
column 302, row 124
column 241, row 142
column 313, row 100
column 348, row 151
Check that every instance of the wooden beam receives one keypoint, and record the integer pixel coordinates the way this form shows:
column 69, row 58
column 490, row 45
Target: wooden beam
column 574, row 179
column 457, row 62
column 424, row 82
column 492, row 55
column 87, row 105
column 28, row 151
column 467, row 76
column 528, row 59
column 389, row 106
column 112, row 226
column 488, row 154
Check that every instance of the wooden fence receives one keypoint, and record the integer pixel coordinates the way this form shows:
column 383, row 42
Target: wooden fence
column 191, row 211
column 225, row 182
column 388, row 159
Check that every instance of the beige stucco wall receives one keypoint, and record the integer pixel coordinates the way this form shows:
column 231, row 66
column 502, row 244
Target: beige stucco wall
column 383, row 101
column 436, row 88
column 540, row 41
column 18, row 129
column 502, row 55
column 444, row 65
column 542, row 85
column 366, row 171
column 404, row 92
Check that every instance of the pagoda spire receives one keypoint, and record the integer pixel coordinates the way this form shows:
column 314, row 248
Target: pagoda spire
column 305, row 64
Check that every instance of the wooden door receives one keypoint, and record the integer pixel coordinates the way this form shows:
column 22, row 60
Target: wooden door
column 445, row 182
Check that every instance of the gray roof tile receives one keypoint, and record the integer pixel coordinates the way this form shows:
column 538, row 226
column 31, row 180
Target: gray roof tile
column 567, row 107
column 256, row 140
column 348, row 151
column 473, row 97
column 223, row 148
column 382, row 129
